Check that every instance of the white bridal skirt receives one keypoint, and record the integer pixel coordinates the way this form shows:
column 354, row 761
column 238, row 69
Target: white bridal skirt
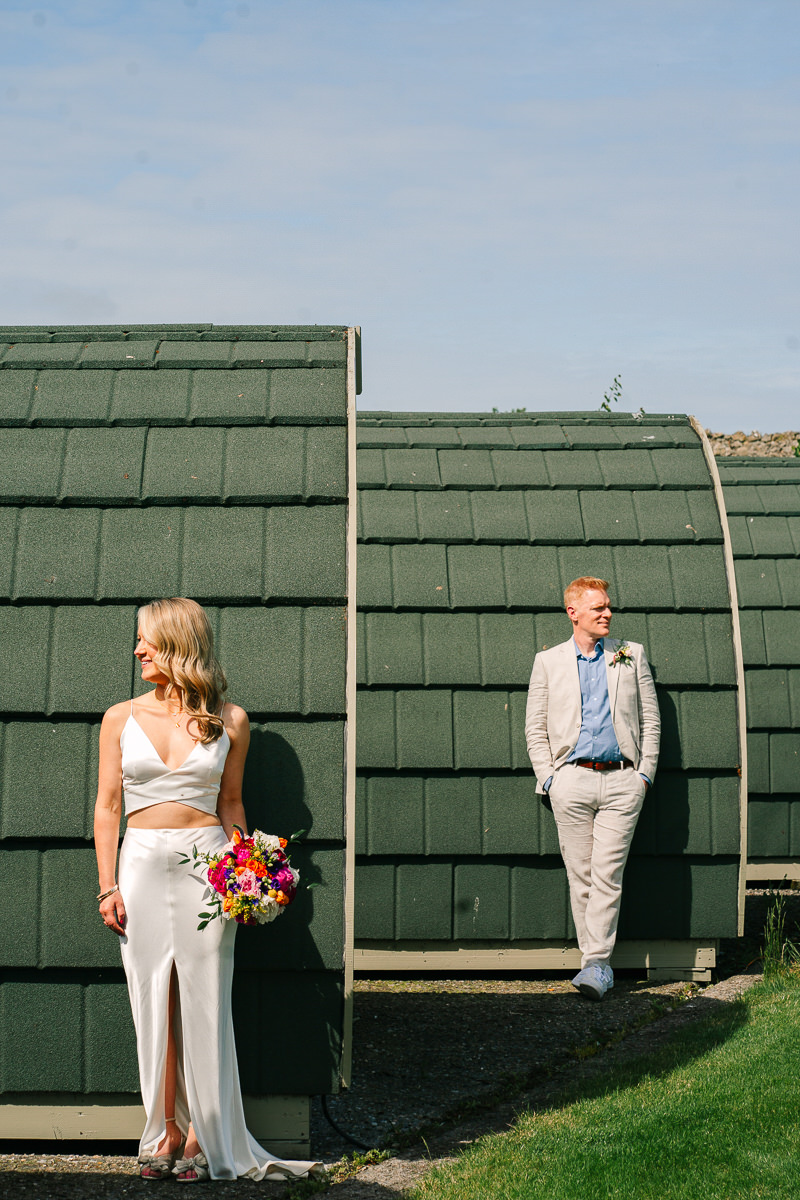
column 162, row 900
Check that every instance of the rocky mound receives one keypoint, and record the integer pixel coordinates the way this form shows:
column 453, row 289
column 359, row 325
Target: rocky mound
column 761, row 445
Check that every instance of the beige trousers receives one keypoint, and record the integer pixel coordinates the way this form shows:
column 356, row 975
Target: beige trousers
column 596, row 813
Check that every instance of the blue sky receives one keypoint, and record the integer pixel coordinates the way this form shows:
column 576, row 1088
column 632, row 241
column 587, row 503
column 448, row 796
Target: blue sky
column 516, row 199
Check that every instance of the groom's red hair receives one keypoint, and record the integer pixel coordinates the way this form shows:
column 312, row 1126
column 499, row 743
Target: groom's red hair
column 587, row 583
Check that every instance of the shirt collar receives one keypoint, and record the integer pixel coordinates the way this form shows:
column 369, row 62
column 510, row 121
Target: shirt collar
column 598, row 650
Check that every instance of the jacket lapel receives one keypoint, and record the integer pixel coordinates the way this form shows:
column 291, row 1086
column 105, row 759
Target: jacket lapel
column 569, row 660
column 610, row 647
column 571, row 663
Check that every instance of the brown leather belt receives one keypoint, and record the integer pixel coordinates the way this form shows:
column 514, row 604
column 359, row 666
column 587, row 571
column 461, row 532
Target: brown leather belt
column 593, row 765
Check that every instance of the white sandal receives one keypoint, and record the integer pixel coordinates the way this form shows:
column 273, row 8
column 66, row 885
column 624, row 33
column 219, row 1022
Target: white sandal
column 198, row 1164
column 160, row 1164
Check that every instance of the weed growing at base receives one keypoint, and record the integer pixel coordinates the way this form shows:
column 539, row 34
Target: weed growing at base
column 714, row 1114
column 779, row 955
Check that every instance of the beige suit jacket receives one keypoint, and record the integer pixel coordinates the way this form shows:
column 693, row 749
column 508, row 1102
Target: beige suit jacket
column 553, row 715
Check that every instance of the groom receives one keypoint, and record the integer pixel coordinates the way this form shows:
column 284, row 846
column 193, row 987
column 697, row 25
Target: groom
column 592, row 727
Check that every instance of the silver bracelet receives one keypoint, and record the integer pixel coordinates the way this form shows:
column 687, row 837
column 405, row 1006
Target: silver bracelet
column 110, row 892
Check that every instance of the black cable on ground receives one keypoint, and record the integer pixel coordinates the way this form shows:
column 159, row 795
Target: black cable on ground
column 348, row 1137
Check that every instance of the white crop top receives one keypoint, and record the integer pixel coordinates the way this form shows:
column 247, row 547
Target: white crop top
column 146, row 780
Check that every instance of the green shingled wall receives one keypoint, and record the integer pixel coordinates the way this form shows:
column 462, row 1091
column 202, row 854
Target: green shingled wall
column 142, row 462
column 470, row 526
column 762, row 498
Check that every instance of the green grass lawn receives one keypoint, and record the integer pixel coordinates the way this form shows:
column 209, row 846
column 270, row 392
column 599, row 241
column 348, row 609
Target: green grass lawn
column 715, row 1115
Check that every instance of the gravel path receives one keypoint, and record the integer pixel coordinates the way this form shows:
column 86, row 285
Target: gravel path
column 425, row 1051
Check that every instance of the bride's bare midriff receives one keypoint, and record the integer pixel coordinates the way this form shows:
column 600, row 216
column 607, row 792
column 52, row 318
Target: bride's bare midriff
column 171, row 816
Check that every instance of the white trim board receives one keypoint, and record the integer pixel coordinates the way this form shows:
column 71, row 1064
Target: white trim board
column 353, row 343
column 738, row 656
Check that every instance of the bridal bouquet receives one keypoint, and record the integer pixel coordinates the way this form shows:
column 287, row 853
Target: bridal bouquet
column 252, row 878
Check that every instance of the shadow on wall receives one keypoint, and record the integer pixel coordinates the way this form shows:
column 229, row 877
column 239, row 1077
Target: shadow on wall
column 657, row 890
column 271, row 1003
column 274, row 800
column 274, row 787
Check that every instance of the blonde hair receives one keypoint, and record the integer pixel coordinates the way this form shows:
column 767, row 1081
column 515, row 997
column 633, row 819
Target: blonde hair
column 586, row 583
column 181, row 633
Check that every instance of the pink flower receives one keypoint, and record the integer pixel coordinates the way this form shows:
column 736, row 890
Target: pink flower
column 216, row 877
column 283, row 880
column 247, row 884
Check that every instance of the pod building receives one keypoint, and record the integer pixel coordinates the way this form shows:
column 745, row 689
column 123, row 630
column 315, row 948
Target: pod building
column 172, row 460
column 470, row 526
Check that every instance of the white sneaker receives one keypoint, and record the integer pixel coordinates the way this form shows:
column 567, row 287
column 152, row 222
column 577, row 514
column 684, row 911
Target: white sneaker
column 594, row 980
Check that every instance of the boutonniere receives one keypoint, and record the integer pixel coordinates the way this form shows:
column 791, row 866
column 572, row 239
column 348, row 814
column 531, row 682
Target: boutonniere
column 623, row 655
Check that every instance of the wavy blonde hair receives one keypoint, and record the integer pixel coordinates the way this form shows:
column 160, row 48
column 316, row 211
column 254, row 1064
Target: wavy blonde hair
column 181, row 633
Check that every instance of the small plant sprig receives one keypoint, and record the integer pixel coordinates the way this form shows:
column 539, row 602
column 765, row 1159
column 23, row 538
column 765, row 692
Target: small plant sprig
column 613, row 395
column 345, row 1168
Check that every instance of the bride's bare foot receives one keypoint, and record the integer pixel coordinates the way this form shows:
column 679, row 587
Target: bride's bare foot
column 171, row 1141
column 192, row 1145
column 168, row 1149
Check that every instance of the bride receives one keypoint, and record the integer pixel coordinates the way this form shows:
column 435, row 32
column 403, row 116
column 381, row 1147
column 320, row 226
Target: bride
column 175, row 757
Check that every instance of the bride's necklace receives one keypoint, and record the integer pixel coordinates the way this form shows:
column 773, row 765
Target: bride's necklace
column 172, row 717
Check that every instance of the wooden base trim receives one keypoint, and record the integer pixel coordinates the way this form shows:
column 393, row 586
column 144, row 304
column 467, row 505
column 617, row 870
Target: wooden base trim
column 695, row 956
column 280, row 1123
column 788, row 868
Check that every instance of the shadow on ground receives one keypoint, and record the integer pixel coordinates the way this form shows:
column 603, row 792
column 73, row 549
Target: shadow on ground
column 428, row 1051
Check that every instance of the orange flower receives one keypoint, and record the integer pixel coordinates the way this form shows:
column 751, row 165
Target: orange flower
column 283, row 843
column 282, row 898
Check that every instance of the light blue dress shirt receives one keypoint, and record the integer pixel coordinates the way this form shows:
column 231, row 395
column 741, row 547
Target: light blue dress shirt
column 597, row 739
